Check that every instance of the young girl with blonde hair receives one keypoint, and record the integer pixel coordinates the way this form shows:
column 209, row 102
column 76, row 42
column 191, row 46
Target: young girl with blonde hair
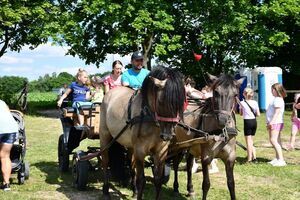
column 80, row 94
column 97, row 91
column 249, row 110
column 274, row 121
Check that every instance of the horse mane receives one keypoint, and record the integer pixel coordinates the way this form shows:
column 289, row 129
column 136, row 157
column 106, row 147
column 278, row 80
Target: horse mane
column 174, row 91
column 225, row 80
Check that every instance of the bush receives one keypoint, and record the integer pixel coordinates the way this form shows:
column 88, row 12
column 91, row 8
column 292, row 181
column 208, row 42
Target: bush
column 9, row 87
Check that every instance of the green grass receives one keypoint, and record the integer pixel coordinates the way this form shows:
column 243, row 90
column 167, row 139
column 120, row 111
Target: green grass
column 253, row 181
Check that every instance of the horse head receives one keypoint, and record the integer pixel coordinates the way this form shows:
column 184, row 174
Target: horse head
column 163, row 92
column 224, row 89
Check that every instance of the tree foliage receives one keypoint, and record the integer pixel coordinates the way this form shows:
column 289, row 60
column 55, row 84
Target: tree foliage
column 47, row 82
column 94, row 28
column 9, row 87
column 230, row 34
column 26, row 22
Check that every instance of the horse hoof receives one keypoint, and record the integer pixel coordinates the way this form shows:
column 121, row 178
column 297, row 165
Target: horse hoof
column 176, row 194
column 192, row 195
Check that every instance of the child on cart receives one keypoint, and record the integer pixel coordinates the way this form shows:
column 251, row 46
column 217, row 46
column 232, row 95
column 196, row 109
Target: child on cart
column 80, row 95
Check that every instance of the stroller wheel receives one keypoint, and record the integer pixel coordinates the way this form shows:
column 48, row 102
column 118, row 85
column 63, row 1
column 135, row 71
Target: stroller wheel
column 26, row 170
column 80, row 171
column 21, row 177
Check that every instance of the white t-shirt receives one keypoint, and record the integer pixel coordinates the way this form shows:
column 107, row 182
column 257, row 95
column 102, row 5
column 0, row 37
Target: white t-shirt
column 277, row 102
column 7, row 122
column 247, row 113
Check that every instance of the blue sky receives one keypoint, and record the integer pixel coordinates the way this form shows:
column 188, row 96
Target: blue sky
column 48, row 59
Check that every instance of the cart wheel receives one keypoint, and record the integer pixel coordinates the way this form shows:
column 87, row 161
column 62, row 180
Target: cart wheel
column 63, row 155
column 80, row 171
column 21, row 177
column 26, row 170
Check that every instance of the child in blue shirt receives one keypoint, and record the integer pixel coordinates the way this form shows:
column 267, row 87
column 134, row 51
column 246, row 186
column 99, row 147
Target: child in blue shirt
column 80, row 94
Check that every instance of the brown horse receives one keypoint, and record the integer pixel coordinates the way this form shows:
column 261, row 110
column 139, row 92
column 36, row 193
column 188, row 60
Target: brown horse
column 216, row 118
column 161, row 99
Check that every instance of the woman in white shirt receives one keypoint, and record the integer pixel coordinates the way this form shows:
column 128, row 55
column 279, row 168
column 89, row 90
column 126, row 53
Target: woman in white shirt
column 249, row 110
column 8, row 131
column 274, row 121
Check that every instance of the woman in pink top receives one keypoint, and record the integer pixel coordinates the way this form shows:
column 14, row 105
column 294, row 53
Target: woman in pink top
column 114, row 79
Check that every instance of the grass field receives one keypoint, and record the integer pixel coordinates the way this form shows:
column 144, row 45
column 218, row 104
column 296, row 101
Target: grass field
column 253, row 181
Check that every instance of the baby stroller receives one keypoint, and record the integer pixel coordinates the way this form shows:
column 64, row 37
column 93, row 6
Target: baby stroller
column 18, row 150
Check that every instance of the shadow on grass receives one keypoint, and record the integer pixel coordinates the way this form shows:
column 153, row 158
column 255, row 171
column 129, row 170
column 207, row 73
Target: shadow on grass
column 94, row 188
column 243, row 160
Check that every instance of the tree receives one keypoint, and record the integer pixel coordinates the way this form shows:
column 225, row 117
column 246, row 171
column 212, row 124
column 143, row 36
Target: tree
column 95, row 28
column 233, row 34
column 26, row 22
column 9, row 86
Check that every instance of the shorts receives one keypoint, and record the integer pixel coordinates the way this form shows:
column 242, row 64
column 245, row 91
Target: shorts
column 77, row 104
column 250, row 126
column 277, row 127
column 295, row 125
column 8, row 138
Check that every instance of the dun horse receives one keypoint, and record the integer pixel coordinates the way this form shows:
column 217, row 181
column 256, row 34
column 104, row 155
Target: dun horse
column 217, row 118
column 161, row 99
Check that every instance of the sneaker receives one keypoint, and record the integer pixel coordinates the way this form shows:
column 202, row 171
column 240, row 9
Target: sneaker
column 5, row 187
column 279, row 163
column 273, row 161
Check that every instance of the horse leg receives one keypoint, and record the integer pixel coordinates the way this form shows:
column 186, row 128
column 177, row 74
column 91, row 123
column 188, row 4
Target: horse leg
column 176, row 161
column 229, row 161
column 205, row 161
column 189, row 166
column 106, row 175
column 159, row 164
column 133, row 178
column 140, row 177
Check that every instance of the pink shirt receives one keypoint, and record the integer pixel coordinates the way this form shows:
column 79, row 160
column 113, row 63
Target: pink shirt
column 108, row 80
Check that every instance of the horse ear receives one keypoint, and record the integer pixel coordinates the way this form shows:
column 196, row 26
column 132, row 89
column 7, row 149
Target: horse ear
column 211, row 77
column 240, row 81
column 159, row 83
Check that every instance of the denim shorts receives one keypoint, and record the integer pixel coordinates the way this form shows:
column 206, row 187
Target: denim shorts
column 8, row 138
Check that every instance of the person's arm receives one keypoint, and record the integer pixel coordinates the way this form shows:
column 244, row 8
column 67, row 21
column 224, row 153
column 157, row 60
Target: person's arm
column 125, row 80
column 297, row 106
column 106, row 88
column 59, row 102
column 257, row 110
column 89, row 95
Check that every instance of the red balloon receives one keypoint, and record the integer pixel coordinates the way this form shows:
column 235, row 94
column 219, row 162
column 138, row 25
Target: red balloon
column 197, row 56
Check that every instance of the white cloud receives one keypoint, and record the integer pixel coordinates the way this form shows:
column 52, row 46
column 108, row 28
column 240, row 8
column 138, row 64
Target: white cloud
column 46, row 50
column 14, row 60
column 10, row 69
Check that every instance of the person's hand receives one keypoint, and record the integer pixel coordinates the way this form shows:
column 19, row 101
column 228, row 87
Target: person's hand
column 269, row 126
column 59, row 102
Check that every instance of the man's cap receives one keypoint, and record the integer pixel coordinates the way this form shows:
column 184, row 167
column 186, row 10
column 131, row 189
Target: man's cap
column 137, row 55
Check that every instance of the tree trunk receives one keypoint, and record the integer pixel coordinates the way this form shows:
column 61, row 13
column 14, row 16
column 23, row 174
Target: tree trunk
column 147, row 45
column 5, row 45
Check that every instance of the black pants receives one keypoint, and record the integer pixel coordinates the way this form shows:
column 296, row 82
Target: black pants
column 250, row 126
